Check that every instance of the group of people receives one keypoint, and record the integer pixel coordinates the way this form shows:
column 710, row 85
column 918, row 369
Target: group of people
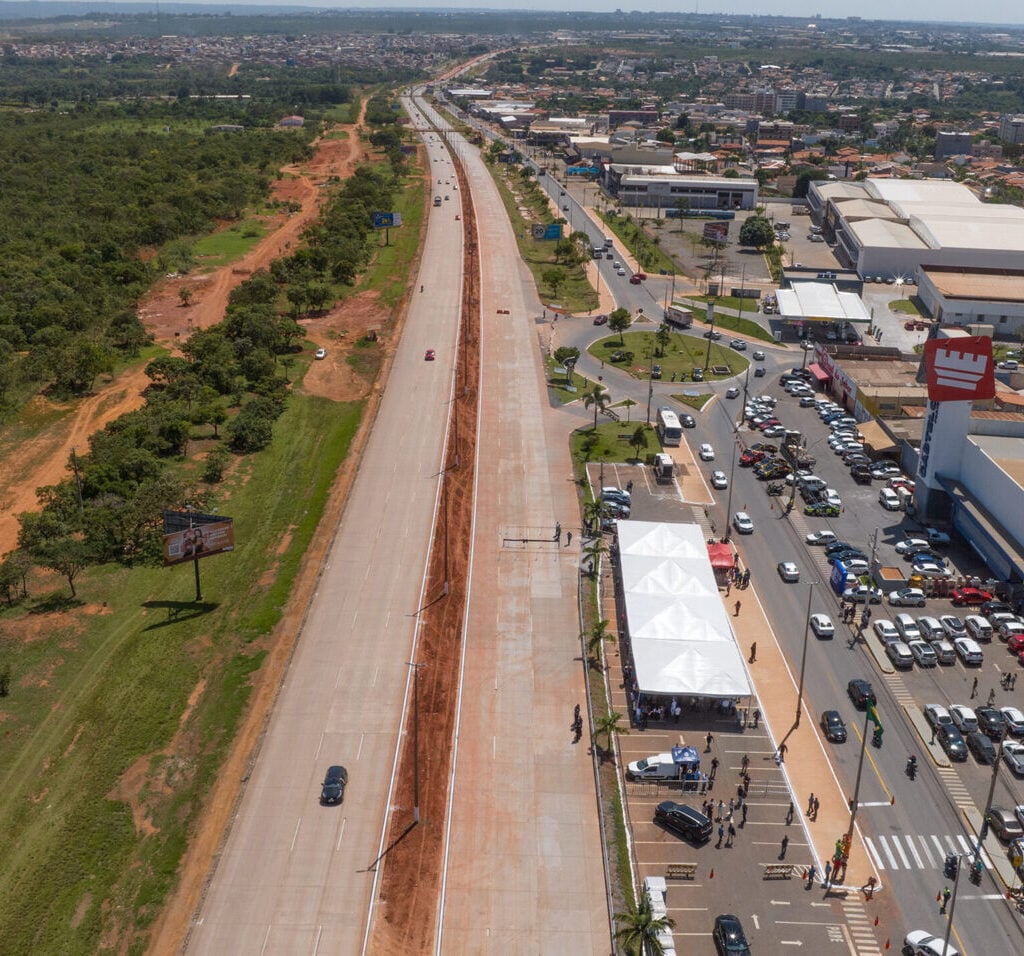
column 736, row 578
column 849, row 610
column 644, row 710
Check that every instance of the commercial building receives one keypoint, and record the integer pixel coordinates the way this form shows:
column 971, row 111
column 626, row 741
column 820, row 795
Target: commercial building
column 886, row 228
column 819, row 304
column 661, row 187
column 962, row 296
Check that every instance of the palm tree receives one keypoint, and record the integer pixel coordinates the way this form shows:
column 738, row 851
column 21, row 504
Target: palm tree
column 598, row 397
column 627, row 403
column 609, row 725
column 639, row 439
column 593, row 551
column 596, row 638
column 639, row 929
column 663, row 336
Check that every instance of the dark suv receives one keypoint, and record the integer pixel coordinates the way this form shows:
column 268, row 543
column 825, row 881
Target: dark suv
column 729, row 937
column 861, row 693
column 684, row 821
column 991, row 722
column 333, row 789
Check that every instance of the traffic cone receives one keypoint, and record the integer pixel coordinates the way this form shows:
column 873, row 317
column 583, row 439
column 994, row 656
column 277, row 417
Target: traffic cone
column 876, row 921
column 711, row 875
column 938, row 897
column 887, row 945
column 892, row 802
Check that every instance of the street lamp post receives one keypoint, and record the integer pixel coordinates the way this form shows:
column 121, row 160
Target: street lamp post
column 728, row 503
column 860, row 769
column 803, row 655
column 952, row 906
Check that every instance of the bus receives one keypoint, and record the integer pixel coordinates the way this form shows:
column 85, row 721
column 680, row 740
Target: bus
column 669, row 430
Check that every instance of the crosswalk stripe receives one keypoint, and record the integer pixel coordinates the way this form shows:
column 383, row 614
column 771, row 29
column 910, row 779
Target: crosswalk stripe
column 870, row 844
column 938, row 847
column 888, row 852
column 927, row 852
column 913, row 850
column 899, row 849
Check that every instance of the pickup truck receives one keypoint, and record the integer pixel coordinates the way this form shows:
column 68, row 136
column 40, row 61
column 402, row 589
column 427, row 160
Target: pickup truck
column 666, row 766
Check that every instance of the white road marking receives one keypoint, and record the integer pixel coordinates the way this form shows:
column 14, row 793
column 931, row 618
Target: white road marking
column 295, row 835
column 341, row 833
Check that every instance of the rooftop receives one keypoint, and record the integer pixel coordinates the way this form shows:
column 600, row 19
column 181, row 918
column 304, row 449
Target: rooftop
column 996, row 285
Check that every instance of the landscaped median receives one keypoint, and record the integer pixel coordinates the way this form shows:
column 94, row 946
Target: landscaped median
column 642, row 356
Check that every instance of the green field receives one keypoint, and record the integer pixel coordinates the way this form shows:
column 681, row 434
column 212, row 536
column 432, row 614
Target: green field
column 227, row 245
column 611, row 443
column 682, row 354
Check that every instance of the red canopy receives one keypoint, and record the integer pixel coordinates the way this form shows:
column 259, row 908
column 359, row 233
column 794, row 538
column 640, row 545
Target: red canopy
column 818, row 372
column 721, row 556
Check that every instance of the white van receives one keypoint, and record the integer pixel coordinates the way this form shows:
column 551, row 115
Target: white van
column 978, row 628
column 888, row 499
column 907, row 627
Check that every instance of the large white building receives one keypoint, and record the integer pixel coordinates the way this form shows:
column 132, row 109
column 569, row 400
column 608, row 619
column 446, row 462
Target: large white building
column 661, row 187
column 890, row 227
column 964, row 297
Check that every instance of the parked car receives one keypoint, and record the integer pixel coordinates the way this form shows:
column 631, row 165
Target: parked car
column 1013, row 755
column 994, row 607
column 833, row 727
column 931, row 628
column 944, row 651
column 969, row 652
column 963, row 718
column 1004, row 824
column 907, row 597
column 863, row 593
column 982, row 747
column 923, row 653
column 320, row 354
column 821, row 537
column 683, row 820
column 1014, row 721
column 929, row 569
column 991, row 722
column 953, row 626
column 886, row 631
column 936, row 537
column 729, row 937
column 952, row 742
column 901, row 656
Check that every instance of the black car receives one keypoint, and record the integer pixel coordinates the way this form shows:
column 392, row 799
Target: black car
column 687, row 421
column 862, row 693
column 991, row 722
column 833, row 726
column 759, row 372
column 951, row 741
column 683, row 820
column 847, row 554
column 333, row 789
column 729, row 937
column 981, row 746
column 698, row 374
column 994, row 607
column 836, row 546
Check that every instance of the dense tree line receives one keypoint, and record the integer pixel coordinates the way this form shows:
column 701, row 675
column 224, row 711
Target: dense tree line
column 232, row 375
column 82, row 198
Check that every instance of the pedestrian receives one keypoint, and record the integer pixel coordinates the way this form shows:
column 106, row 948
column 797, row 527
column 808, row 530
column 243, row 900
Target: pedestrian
column 785, row 846
column 817, row 803
column 789, row 814
column 1013, row 681
column 727, row 588
column 782, row 753
column 753, row 646
column 703, row 783
column 728, row 817
column 732, row 804
column 974, row 689
column 810, row 805
column 629, row 485
column 558, row 531
column 744, row 763
column 736, row 611
column 945, row 899
column 708, row 740
column 568, row 538
column 721, row 810
column 757, row 717
column 721, row 833
column 746, row 783
column 811, row 874
column 732, row 835
column 743, row 813
column 828, row 872
column 991, row 697
column 714, row 767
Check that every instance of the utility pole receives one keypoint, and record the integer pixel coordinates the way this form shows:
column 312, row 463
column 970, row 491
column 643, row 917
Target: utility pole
column 803, row 655
column 416, row 737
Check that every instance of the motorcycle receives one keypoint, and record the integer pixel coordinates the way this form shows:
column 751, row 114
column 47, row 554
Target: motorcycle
column 975, row 874
column 774, row 489
column 912, row 767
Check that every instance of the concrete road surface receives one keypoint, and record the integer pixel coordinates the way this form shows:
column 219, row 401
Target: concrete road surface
column 293, row 876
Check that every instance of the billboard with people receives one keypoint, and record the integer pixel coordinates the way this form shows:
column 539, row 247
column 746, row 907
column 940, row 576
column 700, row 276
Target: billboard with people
column 189, row 536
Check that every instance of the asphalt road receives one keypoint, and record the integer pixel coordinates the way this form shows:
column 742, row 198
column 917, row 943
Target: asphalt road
column 296, row 877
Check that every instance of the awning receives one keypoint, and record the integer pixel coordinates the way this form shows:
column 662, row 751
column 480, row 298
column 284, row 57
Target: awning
column 818, row 372
column 721, row 556
column 876, row 437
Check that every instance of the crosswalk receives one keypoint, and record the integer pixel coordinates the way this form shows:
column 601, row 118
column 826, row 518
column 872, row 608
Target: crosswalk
column 955, row 787
column 898, row 689
column 908, row 851
column 861, row 926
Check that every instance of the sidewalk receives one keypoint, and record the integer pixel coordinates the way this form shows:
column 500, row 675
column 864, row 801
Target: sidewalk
column 806, row 764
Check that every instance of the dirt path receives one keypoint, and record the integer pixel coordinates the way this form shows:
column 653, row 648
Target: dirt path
column 43, row 459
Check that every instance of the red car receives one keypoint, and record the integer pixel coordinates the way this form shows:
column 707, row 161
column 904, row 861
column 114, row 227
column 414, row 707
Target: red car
column 429, row 357
column 640, row 275
column 600, row 319
column 1016, row 643
column 963, row 596
column 634, row 280
column 749, row 458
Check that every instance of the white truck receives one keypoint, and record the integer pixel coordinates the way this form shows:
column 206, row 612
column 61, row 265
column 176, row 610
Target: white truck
column 667, row 766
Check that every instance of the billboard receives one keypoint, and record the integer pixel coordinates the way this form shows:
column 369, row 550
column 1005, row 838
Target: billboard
column 959, row 369
column 385, row 220
column 189, row 536
column 550, row 231
column 716, row 231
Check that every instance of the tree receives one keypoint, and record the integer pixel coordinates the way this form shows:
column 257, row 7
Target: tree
column 185, row 294
column 627, row 403
column 608, row 726
column 639, row 439
column 68, row 556
column 595, row 549
column 757, row 231
column 662, row 337
column 567, row 355
column 553, row 278
column 619, row 321
column 596, row 637
column 639, row 928
column 598, row 397
column 683, row 205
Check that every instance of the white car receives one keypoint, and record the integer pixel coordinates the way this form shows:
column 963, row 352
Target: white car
column 886, row 631
column 907, row 597
column 742, row 523
column 964, row 718
column 821, row 537
column 923, row 653
column 732, row 392
column 929, row 569
column 320, row 354
column 719, row 480
column 901, row 656
column 1014, row 720
column 706, row 452
column 921, row 943
column 822, row 625
column 931, row 628
column 888, row 499
column 856, row 566
column 861, row 593
column 788, row 571
column 969, row 652
column 832, row 498
column 953, row 626
column 1013, row 754
column 937, row 715
column 911, row 545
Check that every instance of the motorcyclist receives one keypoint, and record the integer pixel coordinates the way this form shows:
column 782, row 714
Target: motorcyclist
column 912, row 766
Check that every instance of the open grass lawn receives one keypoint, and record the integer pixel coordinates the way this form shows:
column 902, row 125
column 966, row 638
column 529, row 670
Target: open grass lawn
column 912, row 306
column 557, row 382
column 696, row 402
column 227, row 245
column 733, row 323
column 611, row 442
column 640, row 245
column 101, row 686
column 682, row 355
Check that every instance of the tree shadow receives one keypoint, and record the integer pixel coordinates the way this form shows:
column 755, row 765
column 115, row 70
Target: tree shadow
column 56, row 603
column 178, row 611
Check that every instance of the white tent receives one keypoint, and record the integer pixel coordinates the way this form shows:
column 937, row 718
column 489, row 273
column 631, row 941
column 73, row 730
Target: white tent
column 678, row 627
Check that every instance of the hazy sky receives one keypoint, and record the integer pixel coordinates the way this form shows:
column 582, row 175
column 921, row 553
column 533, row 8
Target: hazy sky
column 980, row 11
